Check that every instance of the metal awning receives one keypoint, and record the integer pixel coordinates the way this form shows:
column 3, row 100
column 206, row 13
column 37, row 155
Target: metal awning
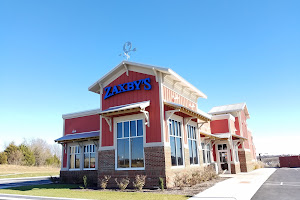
column 79, row 137
column 227, row 136
column 123, row 109
column 211, row 136
column 238, row 137
column 203, row 116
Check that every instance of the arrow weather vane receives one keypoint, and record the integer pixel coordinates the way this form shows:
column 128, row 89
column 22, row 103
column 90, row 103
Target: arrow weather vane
column 126, row 50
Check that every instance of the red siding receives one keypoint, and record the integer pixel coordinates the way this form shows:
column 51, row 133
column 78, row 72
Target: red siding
column 169, row 96
column 82, row 124
column 219, row 126
column 153, row 133
column 65, row 156
column 237, row 126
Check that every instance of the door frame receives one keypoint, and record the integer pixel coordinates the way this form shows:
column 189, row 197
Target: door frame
column 228, row 155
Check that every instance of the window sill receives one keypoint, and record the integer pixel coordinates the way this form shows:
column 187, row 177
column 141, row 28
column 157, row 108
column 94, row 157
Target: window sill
column 178, row 167
column 195, row 165
column 92, row 169
column 74, row 169
column 129, row 169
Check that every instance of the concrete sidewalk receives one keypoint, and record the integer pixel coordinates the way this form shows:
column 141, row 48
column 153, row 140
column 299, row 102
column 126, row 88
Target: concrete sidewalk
column 240, row 186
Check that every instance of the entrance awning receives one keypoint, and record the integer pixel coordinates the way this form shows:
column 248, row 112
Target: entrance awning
column 209, row 135
column 203, row 116
column 227, row 136
column 123, row 109
column 94, row 135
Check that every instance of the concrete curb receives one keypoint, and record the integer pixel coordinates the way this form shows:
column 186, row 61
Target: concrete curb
column 18, row 196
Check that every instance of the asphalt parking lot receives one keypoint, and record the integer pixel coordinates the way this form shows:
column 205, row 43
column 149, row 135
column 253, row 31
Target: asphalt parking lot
column 16, row 182
column 283, row 184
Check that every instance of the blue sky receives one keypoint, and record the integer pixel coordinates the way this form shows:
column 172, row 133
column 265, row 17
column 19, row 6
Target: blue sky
column 233, row 51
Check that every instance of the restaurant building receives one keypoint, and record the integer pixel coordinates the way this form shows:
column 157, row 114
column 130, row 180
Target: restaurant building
column 148, row 122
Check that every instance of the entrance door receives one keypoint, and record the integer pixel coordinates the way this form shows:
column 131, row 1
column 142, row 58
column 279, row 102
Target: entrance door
column 223, row 157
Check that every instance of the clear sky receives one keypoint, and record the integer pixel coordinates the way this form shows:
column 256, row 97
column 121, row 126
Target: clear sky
column 233, row 51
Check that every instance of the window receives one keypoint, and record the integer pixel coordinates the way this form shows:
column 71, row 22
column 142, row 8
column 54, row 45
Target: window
column 75, row 157
column 191, row 130
column 89, row 156
column 206, row 152
column 175, row 142
column 130, row 144
column 236, row 152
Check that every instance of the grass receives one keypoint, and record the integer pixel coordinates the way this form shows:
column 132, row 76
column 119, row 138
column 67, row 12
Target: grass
column 17, row 171
column 72, row 191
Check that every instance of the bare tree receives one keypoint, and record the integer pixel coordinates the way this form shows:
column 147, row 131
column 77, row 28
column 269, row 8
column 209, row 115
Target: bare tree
column 56, row 150
column 41, row 150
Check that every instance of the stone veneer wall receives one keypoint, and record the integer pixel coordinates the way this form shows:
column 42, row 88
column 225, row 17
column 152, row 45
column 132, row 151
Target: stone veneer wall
column 235, row 168
column 154, row 167
column 171, row 172
column 77, row 176
column 246, row 163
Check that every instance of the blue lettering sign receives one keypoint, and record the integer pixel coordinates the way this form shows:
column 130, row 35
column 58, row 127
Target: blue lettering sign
column 125, row 87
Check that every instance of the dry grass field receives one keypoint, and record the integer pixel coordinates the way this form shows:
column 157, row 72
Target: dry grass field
column 16, row 171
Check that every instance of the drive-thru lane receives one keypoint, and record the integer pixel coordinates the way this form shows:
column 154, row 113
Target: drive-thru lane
column 283, row 184
column 16, row 182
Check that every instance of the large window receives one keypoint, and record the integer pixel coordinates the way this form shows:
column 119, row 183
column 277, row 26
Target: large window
column 130, row 145
column 175, row 142
column 89, row 156
column 75, row 157
column 206, row 152
column 191, row 130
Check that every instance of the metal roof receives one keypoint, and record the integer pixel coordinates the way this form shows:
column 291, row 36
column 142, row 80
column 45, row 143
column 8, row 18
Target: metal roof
column 229, row 108
column 202, row 114
column 78, row 136
column 140, row 105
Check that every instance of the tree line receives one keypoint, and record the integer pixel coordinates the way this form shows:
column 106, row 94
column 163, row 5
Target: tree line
column 36, row 152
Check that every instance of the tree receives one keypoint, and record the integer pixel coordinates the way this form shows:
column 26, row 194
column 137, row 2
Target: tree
column 54, row 161
column 3, row 158
column 14, row 155
column 28, row 156
column 41, row 151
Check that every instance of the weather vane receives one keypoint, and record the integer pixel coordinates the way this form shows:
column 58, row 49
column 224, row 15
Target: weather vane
column 126, row 50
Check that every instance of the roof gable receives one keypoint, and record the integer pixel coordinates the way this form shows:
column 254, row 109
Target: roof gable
column 230, row 109
column 127, row 66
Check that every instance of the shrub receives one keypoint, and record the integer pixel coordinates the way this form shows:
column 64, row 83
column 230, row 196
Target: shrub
column 161, row 183
column 85, row 181
column 123, row 183
column 104, row 181
column 193, row 177
column 258, row 164
column 3, row 158
column 54, row 179
column 139, row 182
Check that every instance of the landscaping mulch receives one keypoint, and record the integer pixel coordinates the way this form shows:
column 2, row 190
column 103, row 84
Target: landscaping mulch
column 187, row 191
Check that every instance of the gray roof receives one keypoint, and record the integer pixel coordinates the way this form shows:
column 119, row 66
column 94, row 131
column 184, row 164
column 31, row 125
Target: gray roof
column 78, row 136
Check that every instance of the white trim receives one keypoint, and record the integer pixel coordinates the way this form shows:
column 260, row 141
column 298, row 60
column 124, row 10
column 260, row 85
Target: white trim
column 193, row 124
column 111, row 76
column 125, row 119
column 161, row 108
column 105, row 148
column 81, row 114
column 154, row 144
column 192, row 101
column 178, row 119
column 222, row 116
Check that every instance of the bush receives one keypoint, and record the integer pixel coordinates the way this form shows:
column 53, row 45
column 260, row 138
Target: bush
column 258, row 164
column 104, row 181
column 193, row 177
column 85, row 181
column 3, row 158
column 54, row 179
column 161, row 183
column 139, row 182
column 123, row 183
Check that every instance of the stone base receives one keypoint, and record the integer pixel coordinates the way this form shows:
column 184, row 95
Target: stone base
column 154, row 167
column 77, row 177
column 235, row 168
column 246, row 161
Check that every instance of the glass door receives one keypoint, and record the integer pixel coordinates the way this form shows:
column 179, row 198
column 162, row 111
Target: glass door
column 223, row 157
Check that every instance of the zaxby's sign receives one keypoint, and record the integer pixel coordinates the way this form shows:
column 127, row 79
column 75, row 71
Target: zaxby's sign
column 126, row 87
